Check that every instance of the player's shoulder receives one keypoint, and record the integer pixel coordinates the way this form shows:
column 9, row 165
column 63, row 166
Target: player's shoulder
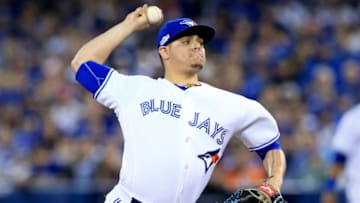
column 232, row 99
column 227, row 94
column 142, row 78
column 133, row 81
column 137, row 78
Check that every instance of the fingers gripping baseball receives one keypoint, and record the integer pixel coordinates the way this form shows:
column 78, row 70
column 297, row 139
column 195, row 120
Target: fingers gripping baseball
column 137, row 19
column 141, row 18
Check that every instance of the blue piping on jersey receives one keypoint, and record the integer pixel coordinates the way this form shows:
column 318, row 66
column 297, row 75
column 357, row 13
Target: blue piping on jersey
column 92, row 75
column 181, row 87
column 103, row 85
column 265, row 144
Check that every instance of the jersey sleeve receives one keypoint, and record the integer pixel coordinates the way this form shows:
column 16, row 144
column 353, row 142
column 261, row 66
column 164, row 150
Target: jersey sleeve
column 260, row 129
column 105, row 83
column 346, row 134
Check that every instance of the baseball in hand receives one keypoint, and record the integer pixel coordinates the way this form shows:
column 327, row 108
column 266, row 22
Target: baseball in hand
column 154, row 14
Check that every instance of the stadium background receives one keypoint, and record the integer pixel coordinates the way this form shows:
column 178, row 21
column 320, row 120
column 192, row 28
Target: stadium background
column 300, row 59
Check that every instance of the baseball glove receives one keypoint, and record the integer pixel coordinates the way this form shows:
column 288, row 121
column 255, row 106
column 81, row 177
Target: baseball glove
column 263, row 193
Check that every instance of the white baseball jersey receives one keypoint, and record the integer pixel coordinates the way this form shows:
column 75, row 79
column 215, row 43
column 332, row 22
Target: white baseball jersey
column 174, row 138
column 347, row 142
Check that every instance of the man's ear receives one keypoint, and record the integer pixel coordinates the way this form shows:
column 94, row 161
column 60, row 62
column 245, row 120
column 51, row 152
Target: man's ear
column 164, row 52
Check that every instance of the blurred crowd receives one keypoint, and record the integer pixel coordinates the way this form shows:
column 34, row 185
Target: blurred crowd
column 300, row 59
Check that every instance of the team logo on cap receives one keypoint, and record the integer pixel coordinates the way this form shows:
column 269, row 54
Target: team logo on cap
column 164, row 39
column 210, row 158
column 189, row 23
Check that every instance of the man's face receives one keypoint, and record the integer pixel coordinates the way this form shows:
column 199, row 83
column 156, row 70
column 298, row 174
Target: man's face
column 187, row 52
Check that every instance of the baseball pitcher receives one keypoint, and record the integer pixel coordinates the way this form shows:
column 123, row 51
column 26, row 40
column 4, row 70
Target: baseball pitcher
column 176, row 127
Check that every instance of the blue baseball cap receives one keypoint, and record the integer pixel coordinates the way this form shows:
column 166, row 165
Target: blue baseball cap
column 174, row 29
